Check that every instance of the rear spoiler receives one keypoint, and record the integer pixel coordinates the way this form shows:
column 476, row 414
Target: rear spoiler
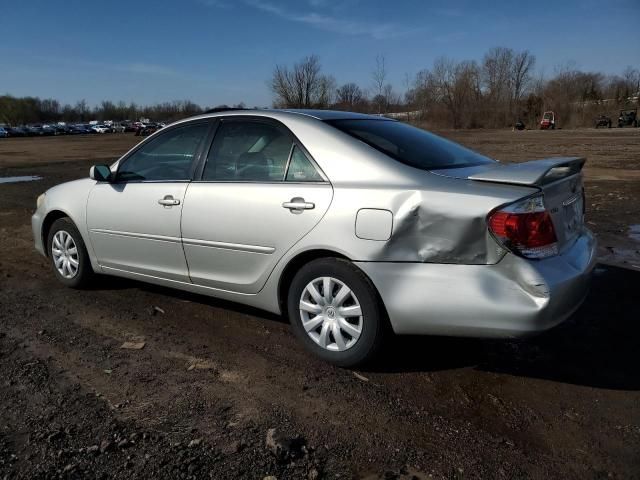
column 535, row 172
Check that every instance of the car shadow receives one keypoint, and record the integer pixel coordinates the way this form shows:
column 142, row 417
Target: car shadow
column 108, row 282
column 597, row 347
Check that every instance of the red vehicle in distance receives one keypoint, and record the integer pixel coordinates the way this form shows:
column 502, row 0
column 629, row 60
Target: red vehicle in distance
column 548, row 121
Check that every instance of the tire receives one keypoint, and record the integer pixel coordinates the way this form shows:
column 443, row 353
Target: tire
column 344, row 350
column 71, row 276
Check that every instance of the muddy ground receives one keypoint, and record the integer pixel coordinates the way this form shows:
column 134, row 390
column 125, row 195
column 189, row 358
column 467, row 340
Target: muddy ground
column 199, row 400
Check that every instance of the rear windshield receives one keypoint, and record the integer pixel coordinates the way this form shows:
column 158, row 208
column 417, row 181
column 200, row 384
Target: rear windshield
column 410, row 145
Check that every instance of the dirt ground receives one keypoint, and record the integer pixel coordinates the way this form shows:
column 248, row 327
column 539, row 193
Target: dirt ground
column 200, row 399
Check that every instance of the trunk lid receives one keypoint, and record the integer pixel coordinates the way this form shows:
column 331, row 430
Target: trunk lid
column 560, row 179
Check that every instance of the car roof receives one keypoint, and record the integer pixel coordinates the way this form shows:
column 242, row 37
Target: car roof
column 279, row 112
column 333, row 114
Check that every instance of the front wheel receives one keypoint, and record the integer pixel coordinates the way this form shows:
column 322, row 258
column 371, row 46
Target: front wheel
column 68, row 254
column 335, row 311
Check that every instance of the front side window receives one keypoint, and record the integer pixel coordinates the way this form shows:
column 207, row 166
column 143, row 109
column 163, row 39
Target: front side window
column 248, row 151
column 167, row 157
column 410, row 145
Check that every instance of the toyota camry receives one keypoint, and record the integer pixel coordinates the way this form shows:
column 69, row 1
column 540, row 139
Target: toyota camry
column 353, row 226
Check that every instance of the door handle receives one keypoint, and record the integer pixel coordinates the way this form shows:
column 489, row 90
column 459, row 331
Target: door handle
column 168, row 201
column 297, row 204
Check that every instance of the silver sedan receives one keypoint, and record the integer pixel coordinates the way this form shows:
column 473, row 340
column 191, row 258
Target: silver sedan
column 353, row 226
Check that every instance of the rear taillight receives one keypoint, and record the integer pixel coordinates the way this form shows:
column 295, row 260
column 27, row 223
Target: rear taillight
column 525, row 228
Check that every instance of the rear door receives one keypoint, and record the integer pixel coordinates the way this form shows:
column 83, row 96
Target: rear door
column 259, row 193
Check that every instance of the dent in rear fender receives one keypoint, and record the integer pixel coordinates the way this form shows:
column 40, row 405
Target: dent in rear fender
column 441, row 223
column 440, row 227
column 446, row 299
column 512, row 298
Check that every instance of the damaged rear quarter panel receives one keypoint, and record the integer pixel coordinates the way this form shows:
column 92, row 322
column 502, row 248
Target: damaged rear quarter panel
column 435, row 220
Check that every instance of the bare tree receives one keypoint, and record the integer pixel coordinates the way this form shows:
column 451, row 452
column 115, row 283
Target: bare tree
column 379, row 76
column 349, row 96
column 496, row 72
column 631, row 78
column 521, row 73
column 453, row 85
column 391, row 98
column 303, row 86
column 326, row 91
column 506, row 78
column 497, row 84
column 83, row 110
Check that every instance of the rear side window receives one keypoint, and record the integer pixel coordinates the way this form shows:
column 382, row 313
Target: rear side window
column 410, row 145
column 301, row 169
column 248, row 151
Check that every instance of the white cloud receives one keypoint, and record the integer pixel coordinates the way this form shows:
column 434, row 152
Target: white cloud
column 323, row 21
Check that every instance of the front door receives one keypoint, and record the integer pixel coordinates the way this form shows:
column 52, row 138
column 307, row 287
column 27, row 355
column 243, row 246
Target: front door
column 134, row 221
column 259, row 194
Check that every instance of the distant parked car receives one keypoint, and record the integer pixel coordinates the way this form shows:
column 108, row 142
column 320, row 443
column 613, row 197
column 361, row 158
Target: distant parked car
column 519, row 125
column 78, row 129
column 129, row 126
column 147, row 129
column 48, row 130
column 16, row 131
column 628, row 118
column 3, row 133
column 34, row 131
column 101, row 129
column 603, row 121
column 86, row 128
column 61, row 129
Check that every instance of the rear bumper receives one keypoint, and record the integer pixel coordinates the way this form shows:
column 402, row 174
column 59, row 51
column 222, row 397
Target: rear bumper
column 513, row 298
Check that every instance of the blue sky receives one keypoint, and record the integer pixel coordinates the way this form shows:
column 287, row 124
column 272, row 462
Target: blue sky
column 223, row 51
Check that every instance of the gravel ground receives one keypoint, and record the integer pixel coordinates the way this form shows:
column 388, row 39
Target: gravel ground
column 222, row 391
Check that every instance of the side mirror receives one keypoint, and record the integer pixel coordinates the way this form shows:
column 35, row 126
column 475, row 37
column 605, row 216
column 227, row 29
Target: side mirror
column 100, row 173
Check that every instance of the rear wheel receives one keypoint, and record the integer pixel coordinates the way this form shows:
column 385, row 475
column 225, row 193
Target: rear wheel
column 68, row 254
column 335, row 311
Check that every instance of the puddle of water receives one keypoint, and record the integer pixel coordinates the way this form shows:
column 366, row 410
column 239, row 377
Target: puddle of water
column 634, row 232
column 26, row 178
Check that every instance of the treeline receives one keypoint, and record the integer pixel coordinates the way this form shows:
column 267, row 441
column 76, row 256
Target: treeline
column 33, row 110
column 495, row 92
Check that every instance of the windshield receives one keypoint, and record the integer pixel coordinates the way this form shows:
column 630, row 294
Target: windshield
column 410, row 145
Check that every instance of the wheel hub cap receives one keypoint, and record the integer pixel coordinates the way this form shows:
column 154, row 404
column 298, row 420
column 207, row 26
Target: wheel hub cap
column 65, row 254
column 331, row 314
